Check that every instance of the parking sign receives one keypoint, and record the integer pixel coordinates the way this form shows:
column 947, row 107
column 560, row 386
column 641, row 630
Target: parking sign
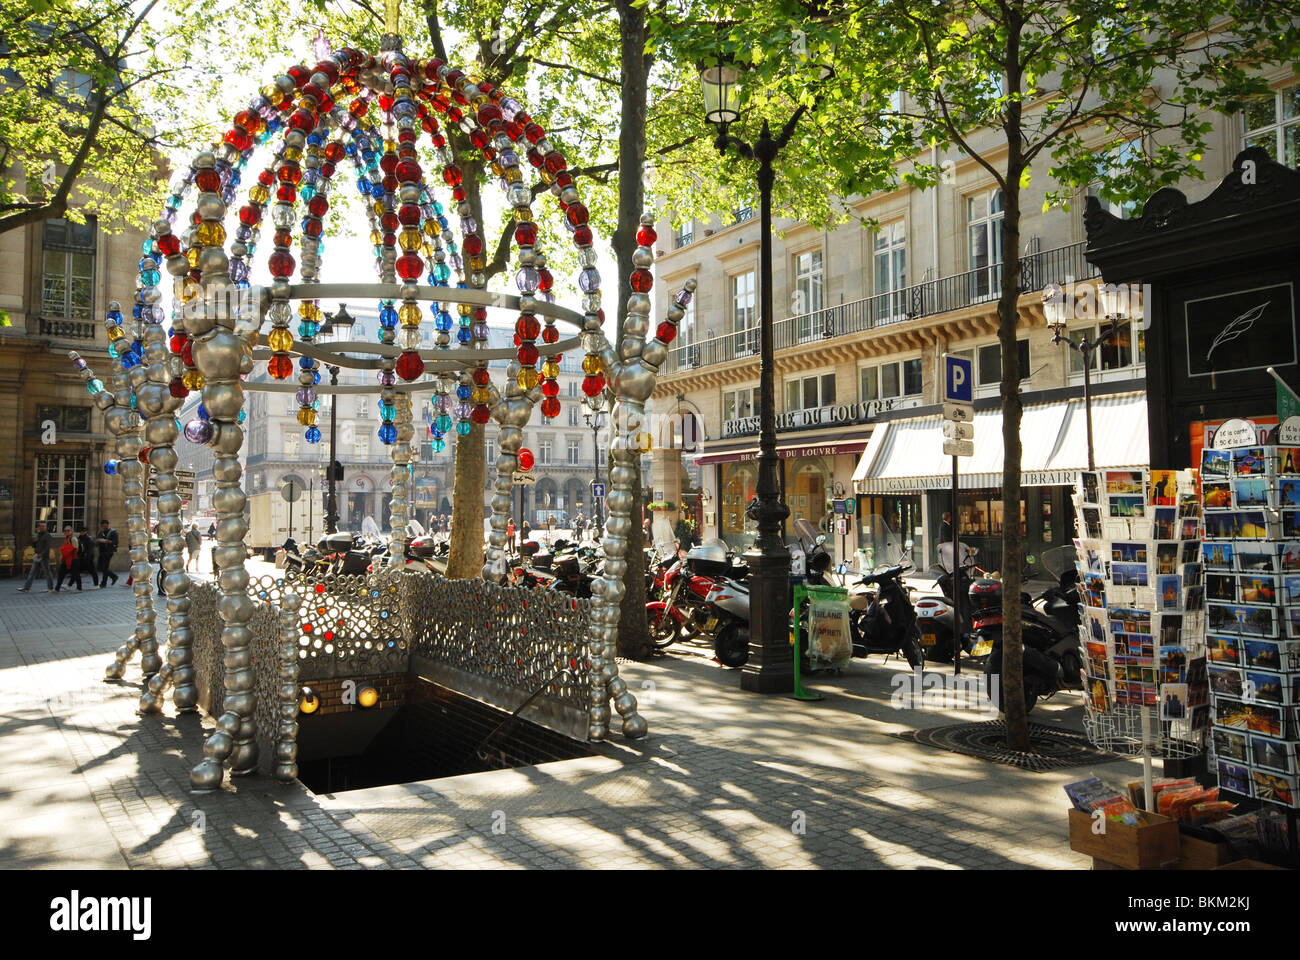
column 957, row 376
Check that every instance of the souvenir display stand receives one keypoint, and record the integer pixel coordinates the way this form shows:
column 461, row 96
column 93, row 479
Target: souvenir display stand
column 1142, row 624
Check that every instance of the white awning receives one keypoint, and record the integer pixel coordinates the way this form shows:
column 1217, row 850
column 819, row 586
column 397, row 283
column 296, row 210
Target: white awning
column 907, row 455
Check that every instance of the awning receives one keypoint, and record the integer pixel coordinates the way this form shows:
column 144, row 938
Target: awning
column 907, row 455
column 786, row 451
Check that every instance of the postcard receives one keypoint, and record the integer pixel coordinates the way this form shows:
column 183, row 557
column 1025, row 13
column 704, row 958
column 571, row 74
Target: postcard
column 1191, row 553
column 1125, row 507
column 1251, row 524
column 1263, row 654
column 1288, row 493
column 1242, row 620
column 1274, row 788
column 1150, row 694
column 1258, row 558
column 1257, row 588
column 1229, row 745
column 1222, row 650
column 1128, row 552
column 1291, row 590
column 1200, row 717
column 1090, row 488
column 1171, row 629
column 1289, row 557
column 1097, row 659
column 1216, row 463
column 1098, row 697
column 1255, row 717
column 1094, row 590
column 1225, row 681
column 1274, row 754
column 1129, row 574
column 1194, row 598
column 1092, row 522
column 1173, row 701
column 1221, row 586
column 1221, row 526
column 1249, row 462
column 1164, row 488
column 1173, row 664
column 1219, row 556
column 1123, row 482
column 1169, row 592
column 1217, row 495
column 1293, row 621
column 1193, row 575
column 1251, row 492
column 1234, row 777
column 1165, row 524
column 1291, row 523
column 1288, row 460
column 1260, row 687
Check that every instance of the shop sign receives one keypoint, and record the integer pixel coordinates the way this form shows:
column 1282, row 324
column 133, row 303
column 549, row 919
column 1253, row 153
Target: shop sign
column 1031, row 478
column 1289, row 433
column 804, row 419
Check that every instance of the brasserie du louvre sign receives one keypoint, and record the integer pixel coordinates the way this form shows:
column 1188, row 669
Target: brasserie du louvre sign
column 832, row 416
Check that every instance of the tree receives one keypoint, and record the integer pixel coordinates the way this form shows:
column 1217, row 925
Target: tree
column 1006, row 83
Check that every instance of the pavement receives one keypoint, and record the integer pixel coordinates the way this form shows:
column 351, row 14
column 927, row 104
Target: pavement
column 726, row 778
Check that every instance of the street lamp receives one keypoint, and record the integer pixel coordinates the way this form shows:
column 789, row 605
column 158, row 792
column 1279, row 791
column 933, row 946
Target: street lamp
column 597, row 407
column 340, row 321
column 770, row 668
column 1113, row 302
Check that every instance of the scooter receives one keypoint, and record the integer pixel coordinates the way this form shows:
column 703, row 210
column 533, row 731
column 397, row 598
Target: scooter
column 935, row 614
column 1047, row 645
column 888, row 621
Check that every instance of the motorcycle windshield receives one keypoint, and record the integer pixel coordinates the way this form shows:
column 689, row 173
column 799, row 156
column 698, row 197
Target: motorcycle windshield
column 1058, row 560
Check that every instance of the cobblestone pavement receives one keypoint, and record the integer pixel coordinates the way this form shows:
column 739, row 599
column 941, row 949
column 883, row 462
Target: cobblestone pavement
column 727, row 779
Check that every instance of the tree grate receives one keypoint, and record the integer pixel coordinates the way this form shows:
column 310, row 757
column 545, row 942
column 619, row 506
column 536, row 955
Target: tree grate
column 1052, row 749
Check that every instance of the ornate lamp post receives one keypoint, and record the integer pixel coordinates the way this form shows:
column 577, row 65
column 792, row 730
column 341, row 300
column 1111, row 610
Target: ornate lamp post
column 334, row 321
column 770, row 668
column 597, row 407
column 1114, row 304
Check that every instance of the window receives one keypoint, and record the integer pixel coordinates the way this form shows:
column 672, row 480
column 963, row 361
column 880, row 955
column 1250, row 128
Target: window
column 60, row 489
column 68, row 269
column 742, row 313
column 738, row 404
column 1107, row 165
column 984, row 238
column 361, row 407
column 575, row 447
column 1274, row 124
column 888, row 381
column 573, row 414
column 807, row 289
column 573, row 388
column 889, row 259
column 810, row 393
column 490, row 454
column 988, row 363
column 544, row 452
column 66, row 419
column 685, row 235
column 290, row 444
column 1117, row 353
column 363, row 444
column 741, row 214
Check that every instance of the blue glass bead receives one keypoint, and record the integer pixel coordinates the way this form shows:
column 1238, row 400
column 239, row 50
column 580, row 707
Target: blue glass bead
column 243, row 415
column 443, row 423
column 313, row 434
column 315, row 376
column 387, row 410
column 110, row 468
column 463, row 428
column 95, row 386
column 463, row 391
column 202, row 412
column 438, row 444
column 388, row 434
column 464, row 335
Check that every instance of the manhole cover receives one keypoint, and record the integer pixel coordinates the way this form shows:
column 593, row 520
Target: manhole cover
column 1051, row 749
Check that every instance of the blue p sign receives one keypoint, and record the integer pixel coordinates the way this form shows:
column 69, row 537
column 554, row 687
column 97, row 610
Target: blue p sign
column 957, row 375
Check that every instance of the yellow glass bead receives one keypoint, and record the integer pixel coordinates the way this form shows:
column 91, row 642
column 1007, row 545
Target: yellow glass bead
column 190, row 290
column 315, row 150
column 192, row 255
column 478, row 262
column 480, row 395
column 192, row 379
column 465, row 309
column 497, row 169
column 210, row 234
column 550, row 369
column 273, row 94
column 523, row 214
column 309, row 311
column 426, row 249
column 293, row 153
column 306, row 416
column 591, row 364
column 259, row 194
column 280, row 340
column 514, row 174
column 409, row 314
column 115, row 332
column 527, row 378
column 432, row 227
column 545, row 176
column 409, row 239
column 376, row 238
column 379, row 208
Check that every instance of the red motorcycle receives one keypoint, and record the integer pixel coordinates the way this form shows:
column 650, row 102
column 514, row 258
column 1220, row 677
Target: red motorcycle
column 685, row 611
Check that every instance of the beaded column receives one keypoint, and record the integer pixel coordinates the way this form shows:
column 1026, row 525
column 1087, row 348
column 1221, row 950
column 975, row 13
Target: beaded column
column 512, row 413
column 131, row 470
column 286, row 731
column 401, row 477
column 218, row 353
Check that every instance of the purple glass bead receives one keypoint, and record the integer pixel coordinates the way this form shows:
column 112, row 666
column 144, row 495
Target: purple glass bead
column 510, row 108
column 527, row 279
column 682, row 298
column 443, row 403
column 387, row 378
column 306, row 396
column 198, row 431
column 480, row 330
column 463, row 410
column 589, row 280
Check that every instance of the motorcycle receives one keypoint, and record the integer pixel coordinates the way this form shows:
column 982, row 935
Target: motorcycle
column 686, row 612
column 935, row 614
column 887, row 622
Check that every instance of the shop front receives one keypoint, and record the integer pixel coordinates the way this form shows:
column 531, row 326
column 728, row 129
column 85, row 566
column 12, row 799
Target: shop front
column 904, row 473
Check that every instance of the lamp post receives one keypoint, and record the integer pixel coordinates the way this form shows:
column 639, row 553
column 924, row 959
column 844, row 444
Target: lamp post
column 597, row 407
column 1113, row 304
column 342, row 320
column 770, row 668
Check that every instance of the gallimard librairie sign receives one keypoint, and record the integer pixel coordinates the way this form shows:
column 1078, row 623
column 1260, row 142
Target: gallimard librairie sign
column 1032, row 478
column 820, row 417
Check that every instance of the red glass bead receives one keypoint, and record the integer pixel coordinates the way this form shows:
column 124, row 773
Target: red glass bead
column 527, row 326
column 303, row 119
column 249, row 214
column 389, row 222
column 175, row 343
column 289, row 173
column 246, row 119
column 299, row 73
column 390, row 239
column 554, row 162
column 489, row 114
column 317, row 205
column 144, row 454
column 458, row 194
column 327, row 170
column 385, row 102
column 481, row 413
column 282, row 239
column 646, row 236
column 313, row 227
column 550, row 334
column 526, row 233
column 207, row 181
column 178, row 389
column 279, row 367
column 535, row 158
column 534, row 132
column 410, row 266
column 281, row 263
column 409, row 366
column 513, row 128
column 409, row 214
column 472, row 245
column 390, row 183
column 388, row 162
column 527, row 354
column 592, row 384
column 187, row 352
column 454, row 115
column 479, row 138
column 286, row 193
column 550, row 407
column 481, row 377
column 330, row 69
column 169, row 244
column 266, row 178
column 667, row 332
column 359, row 108
column 239, row 139
column 544, row 279
column 550, row 388
column 582, row 236
column 334, row 151
column 452, row 176
column 525, row 458
column 517, row 341
column 563, row 179
column 480, row 313
column 642, row 281
column 576, row 214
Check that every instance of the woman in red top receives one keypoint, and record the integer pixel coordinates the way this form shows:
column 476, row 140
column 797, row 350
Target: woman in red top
column 69, row 562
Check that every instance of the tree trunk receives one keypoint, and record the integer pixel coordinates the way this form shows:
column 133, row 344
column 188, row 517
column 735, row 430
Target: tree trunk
column 633, row 629
column 1013, row 697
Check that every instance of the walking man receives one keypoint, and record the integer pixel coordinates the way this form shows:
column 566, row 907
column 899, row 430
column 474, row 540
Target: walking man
column 86, row 554
column 193, row 541
column 69, row 564
column 106, row 542
column 42, row 543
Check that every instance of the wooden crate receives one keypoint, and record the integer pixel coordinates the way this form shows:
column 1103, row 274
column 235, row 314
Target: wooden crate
column 1197, row 854
column 1145, row 847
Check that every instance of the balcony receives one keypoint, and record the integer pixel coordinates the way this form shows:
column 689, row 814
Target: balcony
column 67, row 329
column 920, row 300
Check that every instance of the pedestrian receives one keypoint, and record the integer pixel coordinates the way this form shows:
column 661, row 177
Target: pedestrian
column 42, row 543
column 945, row 529
column 510, row 535
column 69, row 566
column 86, row 554
column 212, row 531
column 646, row 524
column 193, row 541
column 525, row 531
column 106, row 543
column 579, row 525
